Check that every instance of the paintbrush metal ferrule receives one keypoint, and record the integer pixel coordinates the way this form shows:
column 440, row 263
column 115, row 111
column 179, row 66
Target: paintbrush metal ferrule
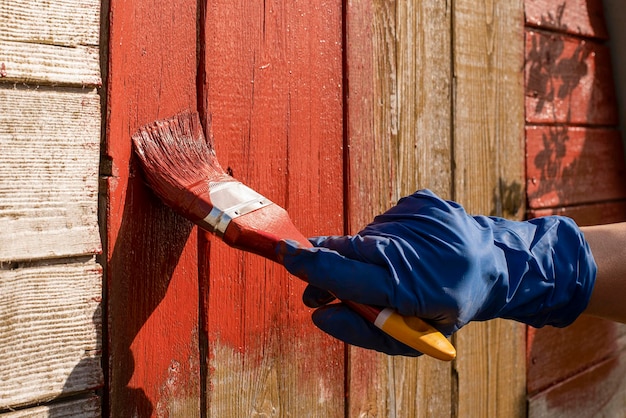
column 230, row 200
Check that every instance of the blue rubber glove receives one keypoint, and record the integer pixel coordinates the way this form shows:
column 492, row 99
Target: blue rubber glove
column 427, row 257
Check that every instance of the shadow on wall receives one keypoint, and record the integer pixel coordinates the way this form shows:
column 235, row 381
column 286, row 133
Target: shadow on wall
column 574, row 154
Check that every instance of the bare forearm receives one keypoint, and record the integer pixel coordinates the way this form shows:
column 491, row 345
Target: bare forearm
column 608, row 245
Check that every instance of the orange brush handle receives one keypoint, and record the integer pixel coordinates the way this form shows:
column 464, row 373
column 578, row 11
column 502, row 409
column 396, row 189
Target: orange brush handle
column 260, row 231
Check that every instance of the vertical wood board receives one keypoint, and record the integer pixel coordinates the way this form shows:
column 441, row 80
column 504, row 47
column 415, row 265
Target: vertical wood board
column 488, row 179
column 49, row 153
column 399, row 140
column 50, row 332
column 272, row 88
column 152, row 287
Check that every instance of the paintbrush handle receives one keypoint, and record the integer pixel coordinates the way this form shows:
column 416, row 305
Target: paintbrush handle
column 261, row 230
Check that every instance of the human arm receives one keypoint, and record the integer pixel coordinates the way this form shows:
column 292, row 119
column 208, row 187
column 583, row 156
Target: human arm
column 608, row 245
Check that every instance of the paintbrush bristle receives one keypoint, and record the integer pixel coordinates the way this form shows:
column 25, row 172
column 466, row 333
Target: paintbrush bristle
column 178, row 162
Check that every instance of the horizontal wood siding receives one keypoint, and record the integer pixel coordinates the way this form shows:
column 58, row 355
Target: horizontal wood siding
column 50, row 283
column 575, row 167
column 50, row 328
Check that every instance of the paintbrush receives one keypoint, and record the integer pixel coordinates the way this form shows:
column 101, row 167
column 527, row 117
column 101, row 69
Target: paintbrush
column 182, row 169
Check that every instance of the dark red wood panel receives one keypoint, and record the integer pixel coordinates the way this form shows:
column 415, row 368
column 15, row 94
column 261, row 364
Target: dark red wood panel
column 152, row 288
column 273, row 85
column 557, row 354
column 590, row 214
column 568, row 80
column 569, row 166
column 577, row 17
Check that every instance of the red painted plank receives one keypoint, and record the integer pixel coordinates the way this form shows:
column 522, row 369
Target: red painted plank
column 568, row 80
column 590, row 214
column 152, row 290
column 596, row 392
column 576, row 17
column 555, row 354
column 569, row 165
column 273, row 86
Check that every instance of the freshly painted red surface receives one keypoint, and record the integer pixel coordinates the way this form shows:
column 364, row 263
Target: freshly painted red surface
column 152, row 264
column 273, row 87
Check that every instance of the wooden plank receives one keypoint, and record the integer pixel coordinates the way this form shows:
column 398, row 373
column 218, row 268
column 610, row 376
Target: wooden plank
column 273, row 85
column 488, row 178
column 154, row 357
column 570, row 166
column 568, row 80
column 54, row 42
column 399, row 140
column 576, row 17
column 86, row 407
column 49, row 64
column 51, row 330
column 591, row 214
column 586, row 342
column 49, row 142
column 597, row 392
column 54, row 22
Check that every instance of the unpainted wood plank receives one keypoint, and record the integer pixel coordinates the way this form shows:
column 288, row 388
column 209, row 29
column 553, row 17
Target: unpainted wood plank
column 556, row 354
column 399, row 140
column 568, row 80
column 53, row 42
column 273, row 85
column 85, row 407
column 32, row 63
column 66, row 23
column 488, row 118
column 49, row 142
column 577, row 17
column 597, row 392
column 51, row 331
column 570, row 165
column 589, row 214
column 152, row 253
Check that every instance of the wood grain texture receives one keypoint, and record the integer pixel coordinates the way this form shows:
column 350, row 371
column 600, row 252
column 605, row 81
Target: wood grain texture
column 152, row 274
column 399, row 140
column 84, row 407
column 53, row 42
column 488, row 179
column 576, row 17
column 51, row 329
column 49, row 155
column 568, row 80
column 273, row 85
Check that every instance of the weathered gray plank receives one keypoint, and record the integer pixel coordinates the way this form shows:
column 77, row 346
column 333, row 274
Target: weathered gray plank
column 51, row 42
column 51, row 22
column 50, row 331
column 49, row 64
column 49, row 157
column 86, row 407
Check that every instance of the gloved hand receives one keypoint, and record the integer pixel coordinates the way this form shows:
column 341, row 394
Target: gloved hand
column 427, row 257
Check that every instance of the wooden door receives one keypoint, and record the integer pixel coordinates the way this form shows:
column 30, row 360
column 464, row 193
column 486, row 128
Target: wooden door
column 333, row 110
